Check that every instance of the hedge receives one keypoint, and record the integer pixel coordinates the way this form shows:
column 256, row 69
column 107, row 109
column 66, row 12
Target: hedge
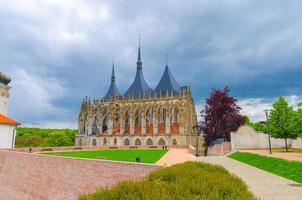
column 191, row 180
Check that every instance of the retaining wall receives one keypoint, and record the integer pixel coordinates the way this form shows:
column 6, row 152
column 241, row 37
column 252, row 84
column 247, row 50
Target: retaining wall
column 247, row 138
column 28, row 176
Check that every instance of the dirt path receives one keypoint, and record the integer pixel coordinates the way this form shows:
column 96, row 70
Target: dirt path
column 284, row 155
column 175, row 156
column 263, row 184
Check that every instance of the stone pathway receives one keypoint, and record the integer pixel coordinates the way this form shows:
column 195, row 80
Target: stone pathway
column 284, row 155
column 175, row 156
column 263, row 184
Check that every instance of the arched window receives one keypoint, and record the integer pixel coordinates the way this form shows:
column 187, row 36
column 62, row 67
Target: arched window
column 149, row 116
column 105, row 123
column 137, row 117
column 161, row 142
column 116, row 120
column 174, row 142
column 94, row 142
column 104, row 141
column 161, row 115
column 137, row 142
column 126, row 142
column 175, row 115
column 80, row 142
column 127, row 117
column 149, row 142
column 115, row 141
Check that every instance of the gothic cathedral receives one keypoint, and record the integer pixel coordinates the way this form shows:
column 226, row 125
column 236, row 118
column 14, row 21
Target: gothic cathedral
column 142, row 116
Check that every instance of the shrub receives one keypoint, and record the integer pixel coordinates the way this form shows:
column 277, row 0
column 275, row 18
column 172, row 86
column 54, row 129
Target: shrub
column 191, row 180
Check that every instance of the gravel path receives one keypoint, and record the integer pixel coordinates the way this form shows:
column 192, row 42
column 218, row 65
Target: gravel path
column 175, row 156
column 263, row 184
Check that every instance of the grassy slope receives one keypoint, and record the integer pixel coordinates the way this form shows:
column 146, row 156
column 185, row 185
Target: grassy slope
column 191, row 180
column 146, row 155
column 287, row 169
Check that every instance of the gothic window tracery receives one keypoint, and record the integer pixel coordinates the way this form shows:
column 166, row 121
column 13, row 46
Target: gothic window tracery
column 94, row 142
column 161, row 142
column 137, row 117
column 138, row 142
column 149, row 116
column 126, row 142
column 149, row 142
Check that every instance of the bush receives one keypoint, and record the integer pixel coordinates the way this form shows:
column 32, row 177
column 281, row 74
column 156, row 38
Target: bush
column 191, row 180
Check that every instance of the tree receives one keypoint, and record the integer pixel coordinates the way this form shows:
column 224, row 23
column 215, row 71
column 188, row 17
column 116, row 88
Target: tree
column 221, row 116
column 297, row 120
column 281, row 120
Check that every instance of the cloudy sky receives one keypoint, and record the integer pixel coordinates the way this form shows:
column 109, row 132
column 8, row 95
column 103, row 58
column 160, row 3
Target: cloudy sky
column 57, row 51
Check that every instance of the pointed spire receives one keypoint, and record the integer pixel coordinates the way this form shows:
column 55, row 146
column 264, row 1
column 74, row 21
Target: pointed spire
column 113, row 74
column 166, row 56
column 139, row 62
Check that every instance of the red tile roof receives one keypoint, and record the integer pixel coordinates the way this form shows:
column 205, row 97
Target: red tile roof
column 6, row 120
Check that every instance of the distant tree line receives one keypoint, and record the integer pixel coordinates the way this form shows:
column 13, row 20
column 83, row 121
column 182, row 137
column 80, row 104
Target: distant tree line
column 40, row 137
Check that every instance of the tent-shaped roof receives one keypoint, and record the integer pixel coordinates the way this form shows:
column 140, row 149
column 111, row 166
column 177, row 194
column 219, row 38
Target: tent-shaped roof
column 112, row 89
column 139, row 87
column 167, row 83
column 8, row 121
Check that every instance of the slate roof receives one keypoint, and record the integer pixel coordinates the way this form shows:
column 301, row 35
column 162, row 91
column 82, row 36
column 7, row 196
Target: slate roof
column 167, row 83
column 112, row 89
column 139, row 88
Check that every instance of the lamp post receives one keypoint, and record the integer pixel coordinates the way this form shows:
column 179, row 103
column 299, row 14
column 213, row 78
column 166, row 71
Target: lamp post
column 267, row 130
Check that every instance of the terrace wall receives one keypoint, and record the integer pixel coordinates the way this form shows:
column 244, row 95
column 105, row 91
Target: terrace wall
column 31, row 176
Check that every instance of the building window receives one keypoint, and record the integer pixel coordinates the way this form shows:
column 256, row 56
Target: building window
column 174, row 142
column 94, row 142
column 161, row 141
column 80, row 142
column 104, row 141
column 126, row 142
column 138, row 142
column 149, row 116
column 137, row 117
column 149, row 142
column 127, row 116
column 115, row 141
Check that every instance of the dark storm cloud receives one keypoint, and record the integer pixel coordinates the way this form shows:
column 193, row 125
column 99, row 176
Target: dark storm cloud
column 59, row 51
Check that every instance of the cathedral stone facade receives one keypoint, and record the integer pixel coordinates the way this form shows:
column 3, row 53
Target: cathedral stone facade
column 142, row 116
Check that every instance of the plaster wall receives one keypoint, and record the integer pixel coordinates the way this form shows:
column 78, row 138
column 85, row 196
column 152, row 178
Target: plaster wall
column 7, row 136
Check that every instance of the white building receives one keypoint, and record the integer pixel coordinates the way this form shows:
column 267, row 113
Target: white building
column 7, row 125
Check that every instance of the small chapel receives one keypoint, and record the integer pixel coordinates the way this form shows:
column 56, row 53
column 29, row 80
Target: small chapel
column 164, row 115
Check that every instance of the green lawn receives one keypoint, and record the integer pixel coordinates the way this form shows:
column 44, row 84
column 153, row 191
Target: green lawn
column 129, row 155
column 288, row 169
column 191, row 180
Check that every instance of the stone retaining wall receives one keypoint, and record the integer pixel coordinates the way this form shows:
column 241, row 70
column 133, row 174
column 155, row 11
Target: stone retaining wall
column 40, row 149
column 247, row 138
column 31, row 176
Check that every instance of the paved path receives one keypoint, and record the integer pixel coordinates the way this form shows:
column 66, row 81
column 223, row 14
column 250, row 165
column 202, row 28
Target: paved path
column 284, row 155
column 175, row 156
column 263, row 184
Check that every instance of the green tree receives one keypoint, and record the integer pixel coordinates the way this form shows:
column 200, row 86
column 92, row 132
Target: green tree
column 297, row 120
column 280, row 121
column 58, row 138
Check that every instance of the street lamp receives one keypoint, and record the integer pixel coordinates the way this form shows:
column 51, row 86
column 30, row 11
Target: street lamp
column 266, row 111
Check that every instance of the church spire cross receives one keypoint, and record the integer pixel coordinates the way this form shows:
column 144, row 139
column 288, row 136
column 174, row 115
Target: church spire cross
column 139, row 62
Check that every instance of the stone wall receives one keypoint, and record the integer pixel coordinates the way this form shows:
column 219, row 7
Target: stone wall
column 247, row 138
column 69, row 148
column 31, row 176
